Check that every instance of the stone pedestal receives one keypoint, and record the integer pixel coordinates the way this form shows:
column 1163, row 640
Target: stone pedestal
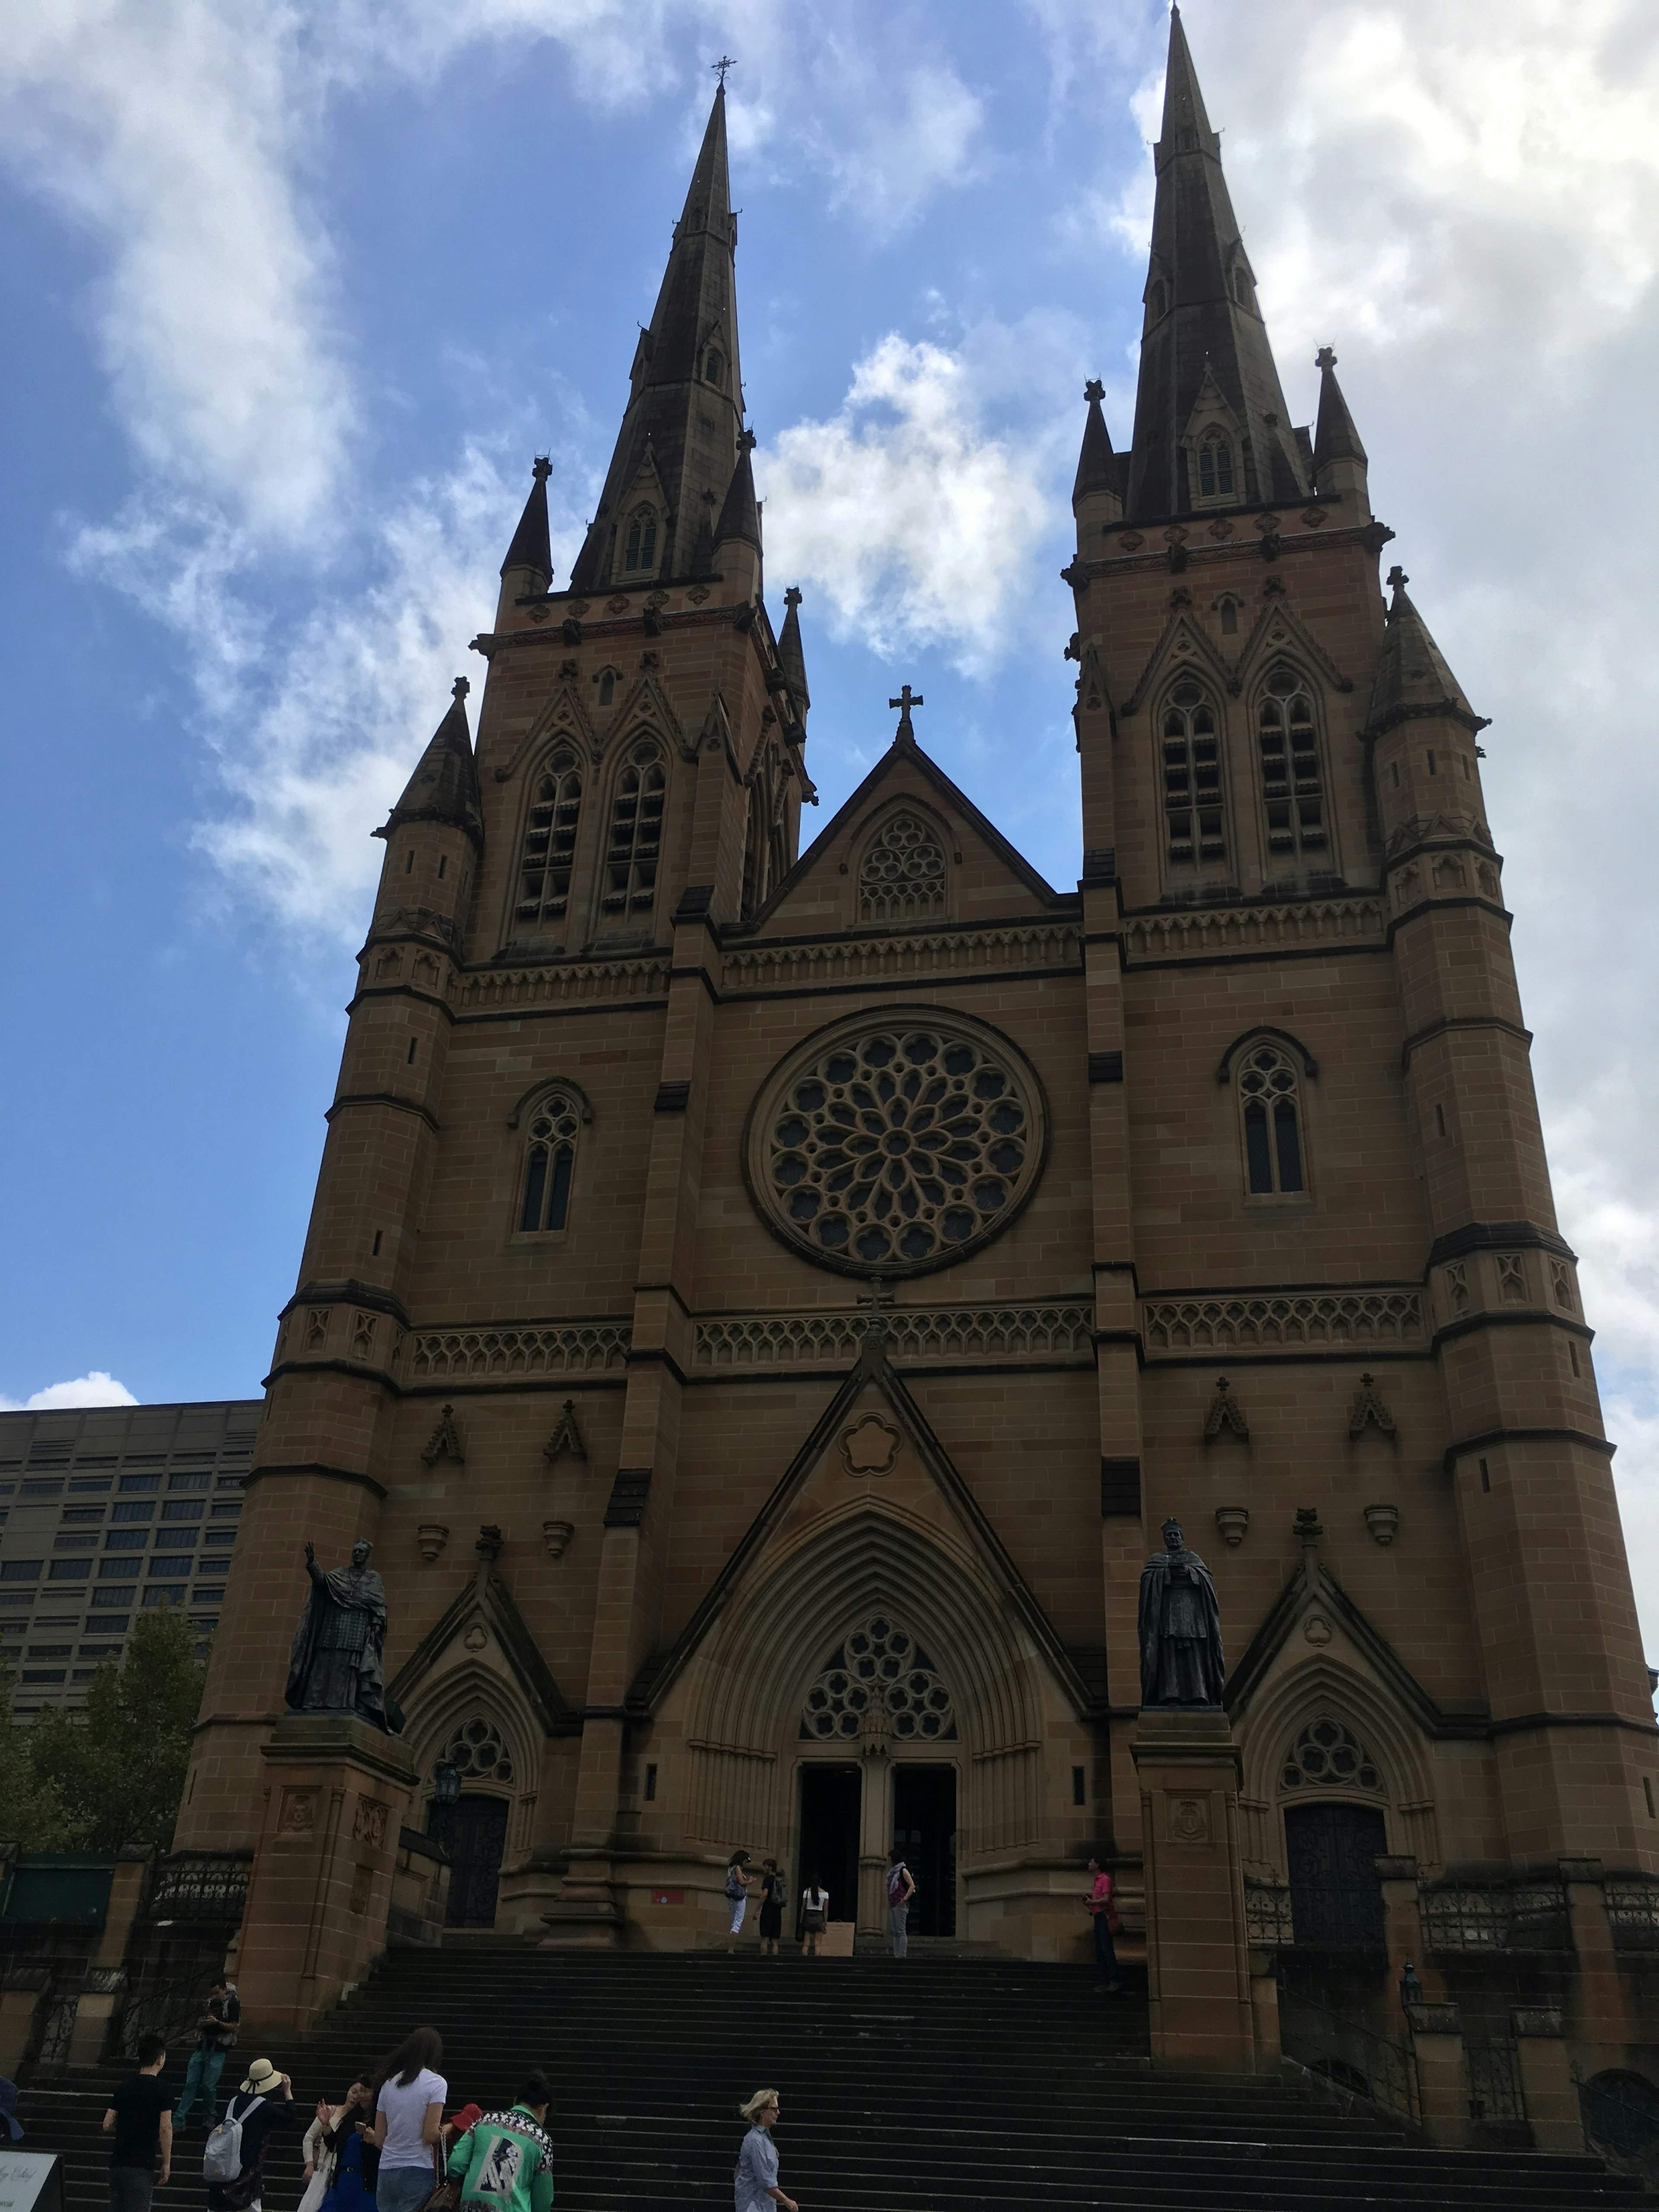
column 1546, row 2082
column 338, row 1793
column 1442, row 2082
column 1198, row 1968
column 585, row 1916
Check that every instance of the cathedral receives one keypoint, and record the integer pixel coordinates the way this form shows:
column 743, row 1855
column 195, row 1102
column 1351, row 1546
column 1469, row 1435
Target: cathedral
column 764, row 1305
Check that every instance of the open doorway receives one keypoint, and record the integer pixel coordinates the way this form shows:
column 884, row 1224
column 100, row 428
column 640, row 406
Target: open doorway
column 474, row 1832
column 925, row 1830
column 831, row 1804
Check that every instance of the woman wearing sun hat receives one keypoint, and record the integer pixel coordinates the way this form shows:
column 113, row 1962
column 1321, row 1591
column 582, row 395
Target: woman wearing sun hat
column 263, row 2105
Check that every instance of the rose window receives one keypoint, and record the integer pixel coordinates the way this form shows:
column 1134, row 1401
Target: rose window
column 880, row 1665
column 1329, row 1756
column 898, row 1149
column 478, row 1753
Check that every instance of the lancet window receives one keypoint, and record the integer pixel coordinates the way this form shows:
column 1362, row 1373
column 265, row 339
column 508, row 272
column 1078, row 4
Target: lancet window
column 549, row 1165
column 903, row 875
column 636, row 846
column 1193, row 805
column 1270, row 1106
column 640, row 546
column 1292, row 790
column 1215, row 466
column 766, row 854
column 549, row 839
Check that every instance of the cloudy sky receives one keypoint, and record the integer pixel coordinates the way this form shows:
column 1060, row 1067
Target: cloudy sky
column 293, row 294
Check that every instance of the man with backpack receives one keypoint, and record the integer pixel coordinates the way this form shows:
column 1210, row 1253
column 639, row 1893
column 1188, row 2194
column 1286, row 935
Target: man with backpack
column 232, row 2164
column 216, row 2035
column 901, row 1889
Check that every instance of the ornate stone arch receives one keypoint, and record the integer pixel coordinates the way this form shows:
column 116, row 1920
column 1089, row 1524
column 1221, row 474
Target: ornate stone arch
column 636, row 796
column 447, row 1702
column 1325, row 1688
column 1291, row 766
column 743, row 1696
column 902, row 868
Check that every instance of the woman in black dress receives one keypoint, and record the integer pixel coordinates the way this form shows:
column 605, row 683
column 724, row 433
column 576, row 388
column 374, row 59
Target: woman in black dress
column 774, row 1890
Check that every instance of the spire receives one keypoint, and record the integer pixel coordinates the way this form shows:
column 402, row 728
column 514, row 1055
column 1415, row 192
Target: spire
column 1335, row 438
column 532, row 547
column 1202, row 318
column 1097, row 465
column 740, row 514
column 685, row 373
column 1413, row 679
column 444, row 785
column 791, row 658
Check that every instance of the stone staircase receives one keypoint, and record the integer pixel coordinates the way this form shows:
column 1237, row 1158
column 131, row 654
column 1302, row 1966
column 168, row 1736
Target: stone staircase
column 941, row 2084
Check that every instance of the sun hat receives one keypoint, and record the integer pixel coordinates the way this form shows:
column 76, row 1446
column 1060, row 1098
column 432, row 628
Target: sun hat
column 262, row 2078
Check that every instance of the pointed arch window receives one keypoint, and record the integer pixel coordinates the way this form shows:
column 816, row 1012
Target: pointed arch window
column 1193, row 807
column 635, row 847
column 1241, row 285
column 640, row 546
column 1290, row 785
column 765, row 856
column 1270, row 1117
column 607, row 686
column 714, row 367
column 549, row 839
column 549, row 1165
column 903, row 875
column 1158, row 300
column 1215, row 466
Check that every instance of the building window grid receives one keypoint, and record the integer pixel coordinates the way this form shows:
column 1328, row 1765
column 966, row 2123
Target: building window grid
column 1292, row 788
column 549, row 842
column 1271, row 1119
column 1193, row 808
column 636, row 846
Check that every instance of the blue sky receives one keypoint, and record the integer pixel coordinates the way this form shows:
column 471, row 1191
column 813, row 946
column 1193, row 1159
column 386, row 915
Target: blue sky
column 291, row 299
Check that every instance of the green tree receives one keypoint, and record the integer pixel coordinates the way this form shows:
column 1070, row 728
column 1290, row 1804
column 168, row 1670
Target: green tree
column 31, row 1811
column 118, row 1766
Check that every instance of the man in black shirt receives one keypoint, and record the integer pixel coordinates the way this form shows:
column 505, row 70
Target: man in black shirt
column 139, row 2118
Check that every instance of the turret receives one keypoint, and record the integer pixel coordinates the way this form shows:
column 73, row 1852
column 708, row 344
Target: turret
column 527, row 570
column 737, row 532
column 434, row 837
column 791, row 658
column 1338, row 458
column 1097, row 492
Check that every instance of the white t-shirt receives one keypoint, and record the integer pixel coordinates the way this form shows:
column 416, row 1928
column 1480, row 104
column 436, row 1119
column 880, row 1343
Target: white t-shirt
column 405, row 2116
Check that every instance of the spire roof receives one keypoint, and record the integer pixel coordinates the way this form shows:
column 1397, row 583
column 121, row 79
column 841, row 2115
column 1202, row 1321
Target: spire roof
column 685, row 371
column 531, row 546
column 1413, row 679
column 1097, row 463
column 444, row 785
column 1201, row 313
column 1335, row 438
column 740, row 511
column 791, row 658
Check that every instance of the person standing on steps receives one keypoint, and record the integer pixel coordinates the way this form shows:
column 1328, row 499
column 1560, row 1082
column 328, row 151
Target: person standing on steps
column 140, row 2120
column 325, row 2138
column 1102, row 1901
column 409, row 2110
column 774, row 1891
column 736, row 1895
column 814, row 1918
column 263, row 2106
column 901, row 1889
column 504, row 2163
column 756, row 2184
column 216, row 2035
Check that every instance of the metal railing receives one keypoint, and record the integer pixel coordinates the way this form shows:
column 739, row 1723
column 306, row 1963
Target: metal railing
column 1267, row 1921
column 1620, row 2116
column 1495, row 2090
column 1492, row 1917
column 200, row 1885
column 1350, row 2057
column 1632, row 1912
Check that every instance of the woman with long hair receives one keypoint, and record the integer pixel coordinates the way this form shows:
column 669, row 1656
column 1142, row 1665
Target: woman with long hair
column 409, row 2110
column 338, row 2154
column 756, row 2184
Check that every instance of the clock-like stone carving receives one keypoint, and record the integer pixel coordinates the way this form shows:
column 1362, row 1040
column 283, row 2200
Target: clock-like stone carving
column 892, row 1147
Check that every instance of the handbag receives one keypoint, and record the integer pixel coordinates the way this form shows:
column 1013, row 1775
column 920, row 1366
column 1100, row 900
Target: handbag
column 446, row 2194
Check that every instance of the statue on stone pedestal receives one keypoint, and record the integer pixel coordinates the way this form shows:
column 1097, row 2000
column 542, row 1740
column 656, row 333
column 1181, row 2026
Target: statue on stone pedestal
column 337, row 1664
column 1181, row 1658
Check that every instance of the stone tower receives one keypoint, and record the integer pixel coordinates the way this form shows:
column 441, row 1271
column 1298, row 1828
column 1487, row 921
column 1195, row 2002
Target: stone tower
column 762, row 1305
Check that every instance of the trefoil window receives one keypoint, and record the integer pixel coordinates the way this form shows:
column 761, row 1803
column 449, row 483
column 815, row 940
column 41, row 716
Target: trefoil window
column 1290, row 768
column 549, row 1162
column 1270, row 1105
column 1192, row 779
column 636, row 844
column 550, row 840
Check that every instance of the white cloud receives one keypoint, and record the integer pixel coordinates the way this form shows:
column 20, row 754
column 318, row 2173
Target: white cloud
column 93, row 1388
column 915, row 523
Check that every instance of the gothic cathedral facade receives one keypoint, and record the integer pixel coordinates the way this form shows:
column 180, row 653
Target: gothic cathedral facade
column 762, row 1304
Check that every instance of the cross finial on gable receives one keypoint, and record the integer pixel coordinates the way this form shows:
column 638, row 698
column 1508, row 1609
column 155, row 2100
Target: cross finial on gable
column 1094, row 389
column 906, row 700
column 726, row 62
column 461, row 687
column 1325, row 358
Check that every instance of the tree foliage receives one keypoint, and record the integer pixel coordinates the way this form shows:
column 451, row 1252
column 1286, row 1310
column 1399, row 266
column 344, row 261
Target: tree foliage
column 32, row 1814
column 116, row 1767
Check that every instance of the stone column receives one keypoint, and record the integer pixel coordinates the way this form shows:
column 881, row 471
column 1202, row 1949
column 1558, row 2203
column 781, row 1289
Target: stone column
column 1604, row 2019
column 875, row 1836
column 1443, row 2084
column 1546, row 2082
column 338, row 1793
column 1198, row 1965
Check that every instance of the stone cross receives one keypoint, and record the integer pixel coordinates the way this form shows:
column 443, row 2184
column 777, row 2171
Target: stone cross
column 721, row 67
column 906, row 700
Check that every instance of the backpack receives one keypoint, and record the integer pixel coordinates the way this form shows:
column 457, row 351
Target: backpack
column 221, row 2160
column 734, row 1885
column 896, row 1883
column 776, row 1891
